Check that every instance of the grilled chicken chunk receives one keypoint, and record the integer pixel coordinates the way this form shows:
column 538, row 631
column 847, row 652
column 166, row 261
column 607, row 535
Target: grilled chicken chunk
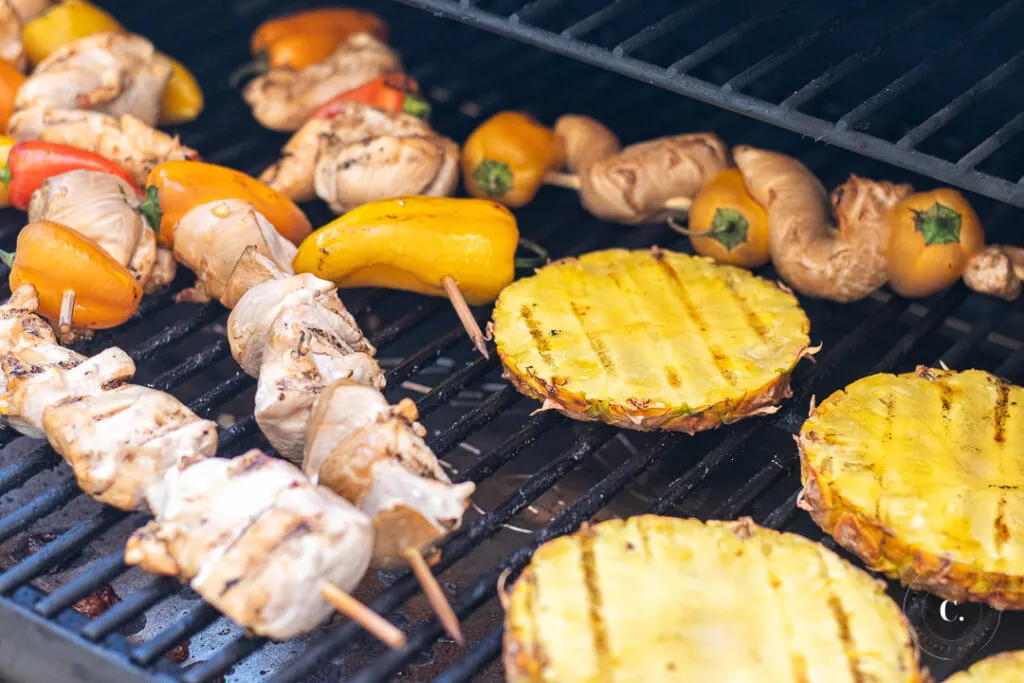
column 284, row 98
column 104, row 208
column 251, row 319
column 385, row 167
column 121, row 442
column 12, row 48
column 126, row 140
column 256, row 540
column 115, row 73
column 293, row 174
column 20, row 326
column 40, row 376
column 304, row 352
column 211, row 238
column 374, row 455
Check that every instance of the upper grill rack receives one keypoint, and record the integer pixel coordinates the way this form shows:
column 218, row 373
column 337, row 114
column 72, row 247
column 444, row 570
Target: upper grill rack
column 593, row 471
column 767, row 60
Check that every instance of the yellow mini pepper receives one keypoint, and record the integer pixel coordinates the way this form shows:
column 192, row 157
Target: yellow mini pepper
column 74, row 19
column 413, row 243
column 507, row 157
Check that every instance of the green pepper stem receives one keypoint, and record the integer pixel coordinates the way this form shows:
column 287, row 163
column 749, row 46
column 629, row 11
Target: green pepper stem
column 541, row 254
column 257, row 67
column 150, row 209
column 495, row 177
column 417, row 106
column 7, row 257
column 5, row 176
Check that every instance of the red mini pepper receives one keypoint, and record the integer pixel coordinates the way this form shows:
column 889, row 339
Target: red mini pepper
column 30, row 163
column 391, row 92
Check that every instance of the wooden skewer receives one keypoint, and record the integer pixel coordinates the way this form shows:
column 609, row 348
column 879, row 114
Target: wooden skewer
column 381, row 628
column 67, row 309
column 465, row 315
column 571, row 181
column 435, row 595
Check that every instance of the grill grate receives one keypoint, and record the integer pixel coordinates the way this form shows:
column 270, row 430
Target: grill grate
column 950, row 55
column 541, row 474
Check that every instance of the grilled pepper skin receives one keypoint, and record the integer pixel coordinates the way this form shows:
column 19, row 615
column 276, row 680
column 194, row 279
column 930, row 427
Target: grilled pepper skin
column 10, row 81
column 74, row 19
column 412, row 243
column 391, row 92
column 6, row 144
column 54, row 258
column 506, row 157
column 30, row 163
column 174, row 188
column 305, row 38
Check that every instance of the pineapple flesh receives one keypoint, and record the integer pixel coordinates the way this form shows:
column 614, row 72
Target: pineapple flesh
column 650, row 340
column 1007, row 667
column 664, row 599
column 922, row 476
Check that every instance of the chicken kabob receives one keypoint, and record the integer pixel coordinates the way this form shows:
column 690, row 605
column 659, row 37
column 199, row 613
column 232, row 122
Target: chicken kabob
column 251, row 535
column 318, row 398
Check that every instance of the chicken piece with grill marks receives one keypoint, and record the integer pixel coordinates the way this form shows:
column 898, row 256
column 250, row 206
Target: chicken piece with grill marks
column 293, row 174
column 373, row 454
column 256, row 540
column 12, row 47
column 114, row 73
column 127, row 140
column 385, row 167
column 304, row 352
column 20, row 326
column 121, row 442
column 284, row 98
column 211, row 239
column 104, row 208
column 253, row 316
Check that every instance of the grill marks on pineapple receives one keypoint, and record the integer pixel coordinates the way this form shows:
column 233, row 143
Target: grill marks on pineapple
column 1002, row 531
column 536, row 643
column 596, row 344
column 749, row 314
column 1001, row 411
column 842, row 619
column 595, row 606
column 718, row 356
column 541, row 342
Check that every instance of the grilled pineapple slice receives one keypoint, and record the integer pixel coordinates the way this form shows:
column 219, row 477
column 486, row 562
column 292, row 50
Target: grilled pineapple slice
column 1007, row 667
column 650, row 340
column 662, row 599
column 922, row 476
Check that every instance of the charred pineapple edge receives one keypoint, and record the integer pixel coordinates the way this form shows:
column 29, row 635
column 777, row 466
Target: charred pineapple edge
column 764, row 400
column 526, row 664
column 883, row 552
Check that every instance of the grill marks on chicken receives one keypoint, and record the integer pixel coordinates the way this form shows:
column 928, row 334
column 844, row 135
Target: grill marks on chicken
column 119, row 438
column 104, row 208
column 113, row 73
column 256, row 539
column 130, row 142
column 284, row 98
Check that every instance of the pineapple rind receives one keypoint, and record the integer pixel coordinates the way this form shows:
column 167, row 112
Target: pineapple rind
column 573, row 385
column 658, row 599
column 962, row 570
column 1006, row 667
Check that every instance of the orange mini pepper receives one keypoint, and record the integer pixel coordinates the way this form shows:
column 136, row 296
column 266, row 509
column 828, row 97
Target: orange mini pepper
column 174, row 188
column 506, row 158
column 54, row 259
column 10, row 81
column 305, row 38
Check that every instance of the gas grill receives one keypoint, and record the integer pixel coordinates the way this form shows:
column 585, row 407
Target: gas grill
column 915, row 88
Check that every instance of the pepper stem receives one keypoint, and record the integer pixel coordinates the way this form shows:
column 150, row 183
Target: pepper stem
column 7, row 258
column 530, row 262
column 151, row 210
column 728, row 227
column 5, row 175
column 495, row 177
column 938, row 225
column 257, row 67
column 417, row 106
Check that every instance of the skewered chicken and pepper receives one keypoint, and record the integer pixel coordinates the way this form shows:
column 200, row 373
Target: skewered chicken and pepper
column 284, row 98
column 745, row 604
column 113, row 73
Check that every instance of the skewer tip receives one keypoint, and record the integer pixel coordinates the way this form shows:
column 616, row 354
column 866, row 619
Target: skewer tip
column 435, row 595
column 476, row 335
column 67, row 310
column 381, row 628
